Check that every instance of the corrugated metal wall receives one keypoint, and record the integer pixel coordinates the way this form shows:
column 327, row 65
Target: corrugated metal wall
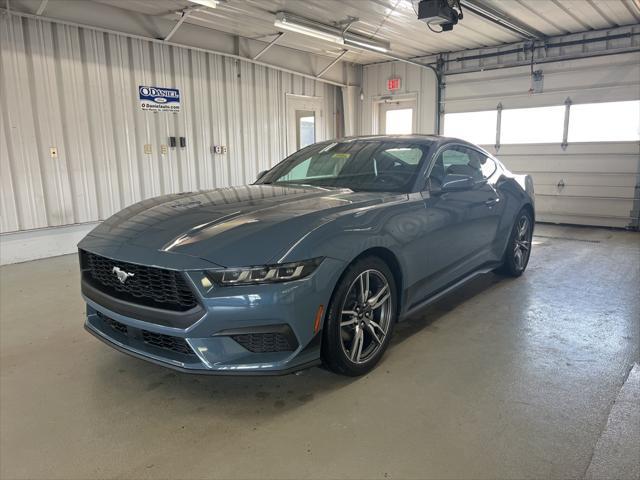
column 77, row 89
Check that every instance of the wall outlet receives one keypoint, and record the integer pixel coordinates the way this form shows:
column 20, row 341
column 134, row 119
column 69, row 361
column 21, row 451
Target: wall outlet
column 218, row 149
column 53, row 152
column 147, row 149
column 164, row 149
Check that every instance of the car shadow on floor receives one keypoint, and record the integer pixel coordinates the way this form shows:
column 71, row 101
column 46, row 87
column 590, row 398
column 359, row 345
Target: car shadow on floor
column 250, row 396
column 130, row 380
column 429, row 315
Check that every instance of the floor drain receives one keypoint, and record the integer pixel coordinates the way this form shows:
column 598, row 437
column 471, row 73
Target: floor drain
column 567, row 238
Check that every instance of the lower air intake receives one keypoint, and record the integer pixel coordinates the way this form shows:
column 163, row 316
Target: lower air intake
column 113, row 324
column 175, row 344
column 264, row 342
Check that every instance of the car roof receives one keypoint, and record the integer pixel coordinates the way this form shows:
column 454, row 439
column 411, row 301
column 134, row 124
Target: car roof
column 418, row 138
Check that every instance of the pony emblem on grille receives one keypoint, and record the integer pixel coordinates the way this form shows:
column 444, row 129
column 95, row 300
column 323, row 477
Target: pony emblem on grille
column 121, row 274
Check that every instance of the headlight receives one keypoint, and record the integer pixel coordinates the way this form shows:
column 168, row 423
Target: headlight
column 283, row 272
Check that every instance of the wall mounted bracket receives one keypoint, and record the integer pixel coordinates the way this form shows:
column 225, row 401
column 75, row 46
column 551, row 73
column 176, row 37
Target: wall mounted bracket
column 565, row 132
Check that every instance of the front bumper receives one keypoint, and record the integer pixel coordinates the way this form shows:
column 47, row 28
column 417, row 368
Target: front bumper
column 210, row 344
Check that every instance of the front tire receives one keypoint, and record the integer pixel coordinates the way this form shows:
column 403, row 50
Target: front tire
column 360, row 319
column 516, row 257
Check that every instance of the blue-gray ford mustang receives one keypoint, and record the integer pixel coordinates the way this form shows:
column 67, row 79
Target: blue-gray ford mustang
column 315, row 262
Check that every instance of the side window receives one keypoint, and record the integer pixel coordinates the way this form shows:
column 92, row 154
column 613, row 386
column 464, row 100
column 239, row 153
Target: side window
column 459, row 160
column 489, row 167
column 462, row 161
column 437, row 171
column 396, row 165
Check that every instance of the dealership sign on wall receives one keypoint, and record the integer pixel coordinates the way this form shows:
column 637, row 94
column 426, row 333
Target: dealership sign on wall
column 159, row 99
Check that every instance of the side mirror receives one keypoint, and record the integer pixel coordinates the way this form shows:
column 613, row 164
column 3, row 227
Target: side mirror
column 452, row 183
column 261, row 174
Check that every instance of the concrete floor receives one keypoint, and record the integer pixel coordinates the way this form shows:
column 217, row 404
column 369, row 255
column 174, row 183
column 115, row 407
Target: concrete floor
column 505, row 379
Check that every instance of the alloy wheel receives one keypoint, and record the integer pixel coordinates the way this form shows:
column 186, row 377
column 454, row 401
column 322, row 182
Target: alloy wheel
column 365, row 316
column 522, row 243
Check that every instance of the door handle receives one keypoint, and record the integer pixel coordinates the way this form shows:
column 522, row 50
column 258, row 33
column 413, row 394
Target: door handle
column 491, row 202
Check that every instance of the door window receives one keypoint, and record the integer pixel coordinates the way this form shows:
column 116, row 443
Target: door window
column 397, row 117
column 305, row 128
column 459, row 160
column 399, row 121
column 305, row 124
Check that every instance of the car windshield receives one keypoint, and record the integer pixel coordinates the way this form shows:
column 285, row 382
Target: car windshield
column 385, row 166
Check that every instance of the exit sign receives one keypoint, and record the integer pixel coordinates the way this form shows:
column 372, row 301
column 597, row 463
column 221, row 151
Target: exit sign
column 393, row 84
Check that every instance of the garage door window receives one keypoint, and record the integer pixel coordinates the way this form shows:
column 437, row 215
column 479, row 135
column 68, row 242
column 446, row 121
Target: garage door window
column 474, row 127
column 605, row 122
column 532, row 125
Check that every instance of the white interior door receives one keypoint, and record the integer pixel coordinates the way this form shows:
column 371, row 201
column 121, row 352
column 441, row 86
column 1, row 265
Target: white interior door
column 398, row 117
column 305, row 122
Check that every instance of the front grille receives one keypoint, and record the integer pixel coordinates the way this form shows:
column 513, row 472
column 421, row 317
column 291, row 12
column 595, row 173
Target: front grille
column 264, row 342
column 175, row 344
column 150, row 286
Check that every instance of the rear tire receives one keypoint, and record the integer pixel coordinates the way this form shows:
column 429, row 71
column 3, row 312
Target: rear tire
column 359, row 325
column 516, row 256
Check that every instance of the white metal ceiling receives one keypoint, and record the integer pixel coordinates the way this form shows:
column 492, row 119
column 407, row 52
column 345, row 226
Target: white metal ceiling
column 395, row 20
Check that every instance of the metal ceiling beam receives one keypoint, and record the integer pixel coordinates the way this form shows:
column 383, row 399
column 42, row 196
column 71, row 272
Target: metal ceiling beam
column 551, row 44
column 269, row 45
column 500, row 19
column 43, row 5
column 332, row 63
column 185, row 13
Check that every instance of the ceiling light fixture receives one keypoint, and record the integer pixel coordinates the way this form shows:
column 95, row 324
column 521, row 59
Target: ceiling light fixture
column 293, row 23
column 206, row 3
column 311, row 28
column 351, row 40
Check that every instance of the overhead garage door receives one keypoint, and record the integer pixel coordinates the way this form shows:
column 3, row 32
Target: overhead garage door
column 584, row 184
column 587, row 183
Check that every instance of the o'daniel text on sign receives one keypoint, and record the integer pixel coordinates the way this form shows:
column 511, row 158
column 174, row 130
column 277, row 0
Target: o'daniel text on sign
column 159, row 99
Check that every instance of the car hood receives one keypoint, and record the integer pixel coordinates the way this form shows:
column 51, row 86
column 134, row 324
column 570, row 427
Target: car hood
column 238, row 226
